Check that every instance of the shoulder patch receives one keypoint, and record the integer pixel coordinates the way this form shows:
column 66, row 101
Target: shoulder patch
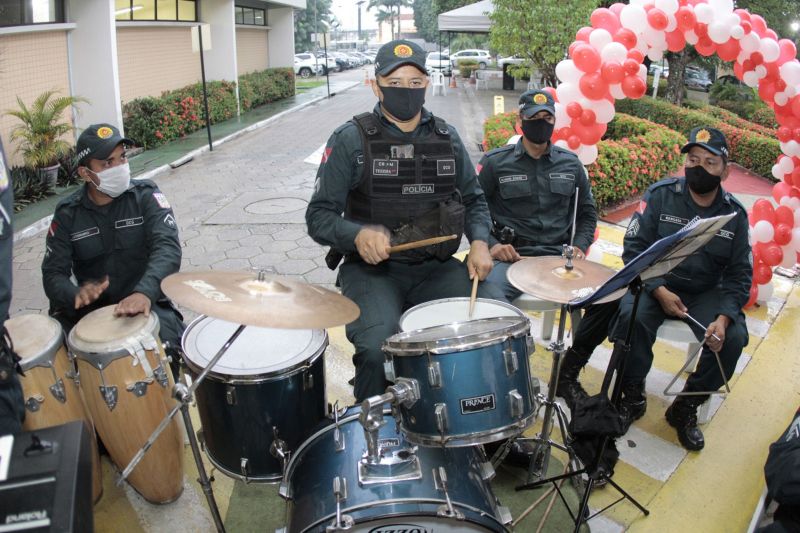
column 633, row 227
column 161, row 200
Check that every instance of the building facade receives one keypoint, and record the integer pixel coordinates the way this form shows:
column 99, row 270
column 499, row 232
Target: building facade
column 112, row 51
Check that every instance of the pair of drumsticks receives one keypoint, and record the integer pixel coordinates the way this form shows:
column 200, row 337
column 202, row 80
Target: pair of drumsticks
column 436, row 240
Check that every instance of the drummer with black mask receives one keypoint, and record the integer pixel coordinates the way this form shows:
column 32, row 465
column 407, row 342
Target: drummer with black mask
column 531, row 188
column 396, row 175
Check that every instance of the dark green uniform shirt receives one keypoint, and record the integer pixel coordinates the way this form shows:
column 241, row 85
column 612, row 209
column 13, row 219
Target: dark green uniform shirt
column 342, row 169
column 6, row 235
column 133, row 240
column 536, row 197
column 725, row 261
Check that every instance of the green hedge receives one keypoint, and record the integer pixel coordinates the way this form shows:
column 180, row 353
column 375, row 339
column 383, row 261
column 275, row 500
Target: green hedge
column 153, row 121
column 750, row 149
column 634, row 154
column 731, row 117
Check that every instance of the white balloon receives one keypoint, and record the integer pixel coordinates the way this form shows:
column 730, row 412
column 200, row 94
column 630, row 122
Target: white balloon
column 791, row 90
column 672, row 24
column 667, row 6
column 639, row 2
column 786, row 164
column 599, row 38
column 633, row 17
column 561, row 143
column 704, row 13
column 763, row 231
column 614, row 52
column 691, row 37
column 616, row 91
column 737, row 32
column 750, row 43
column 731, row 20
column 642, row 73
column 790, row 72
column 791, row 148
column 655, row 55
column 785, row 201
column 568, row 72
column 587, row 153
column 760, row 71
column 568, row 92
column 765, row 293
column 750, row 78
column 770, row 49
column 789, row 256
column 796, row 214
column 562, row 119
column 795, row 242
column 794, row 205
column 719, row 32
column 777, row 172
column 603, row 109
column 721, row 7
column 781, row 98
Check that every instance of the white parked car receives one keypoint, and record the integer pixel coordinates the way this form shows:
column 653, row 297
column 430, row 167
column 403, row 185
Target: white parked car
column 436, row 62
column 510, row 60
column 306, row 65
column 481, row 56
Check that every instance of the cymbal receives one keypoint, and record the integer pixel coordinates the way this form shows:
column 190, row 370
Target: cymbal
column 546, row 278
column 255, row 299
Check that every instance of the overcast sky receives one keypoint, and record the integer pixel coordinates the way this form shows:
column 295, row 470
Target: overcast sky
column 347, row 13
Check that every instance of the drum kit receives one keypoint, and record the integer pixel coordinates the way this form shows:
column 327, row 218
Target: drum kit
column 411, row 457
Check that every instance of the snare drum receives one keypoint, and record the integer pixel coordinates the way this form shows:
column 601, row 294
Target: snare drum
column 127, row 386
column 398, row 494
column 50, row 384
column 473, row 376
column 261, row 399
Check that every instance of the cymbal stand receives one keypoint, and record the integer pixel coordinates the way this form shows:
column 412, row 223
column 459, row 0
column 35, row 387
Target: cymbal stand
column 184, row 394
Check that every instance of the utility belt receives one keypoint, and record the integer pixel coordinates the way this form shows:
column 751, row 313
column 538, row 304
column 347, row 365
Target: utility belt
column 508, row 235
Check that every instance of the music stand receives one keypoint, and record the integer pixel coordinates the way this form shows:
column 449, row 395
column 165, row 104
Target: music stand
column 660, row 258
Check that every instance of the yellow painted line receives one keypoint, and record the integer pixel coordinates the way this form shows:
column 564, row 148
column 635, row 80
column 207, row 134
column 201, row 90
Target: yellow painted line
column 611, row 233
column 717, row 489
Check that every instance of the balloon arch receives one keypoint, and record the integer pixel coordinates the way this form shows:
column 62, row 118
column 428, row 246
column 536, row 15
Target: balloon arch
column 606, row 65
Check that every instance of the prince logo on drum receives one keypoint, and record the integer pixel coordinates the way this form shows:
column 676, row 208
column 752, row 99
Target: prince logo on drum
column 477, row 404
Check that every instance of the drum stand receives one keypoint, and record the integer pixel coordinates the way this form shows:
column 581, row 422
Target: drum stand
column 184, row 394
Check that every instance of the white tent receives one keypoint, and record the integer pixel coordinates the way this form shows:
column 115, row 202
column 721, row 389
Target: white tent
column 473, row 18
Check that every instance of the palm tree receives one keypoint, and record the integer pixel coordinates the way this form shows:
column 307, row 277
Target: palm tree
column 384, row 15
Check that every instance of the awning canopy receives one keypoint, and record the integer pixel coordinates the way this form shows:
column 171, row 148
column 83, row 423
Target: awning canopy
column 473, row 18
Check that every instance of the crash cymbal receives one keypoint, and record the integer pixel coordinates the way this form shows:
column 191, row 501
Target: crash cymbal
column 546, row 278
column 261, row 300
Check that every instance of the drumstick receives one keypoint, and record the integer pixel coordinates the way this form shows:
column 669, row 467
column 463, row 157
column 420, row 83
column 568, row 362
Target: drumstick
column 419, row 244
column 473, row 296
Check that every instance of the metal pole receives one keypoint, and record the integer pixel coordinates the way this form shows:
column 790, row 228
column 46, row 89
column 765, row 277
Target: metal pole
column 359, row 4
column 328, row 75
column 205, row 90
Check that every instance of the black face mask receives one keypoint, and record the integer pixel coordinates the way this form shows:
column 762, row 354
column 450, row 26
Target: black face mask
column 701, row 181
column 402, row 103
column 537, row 131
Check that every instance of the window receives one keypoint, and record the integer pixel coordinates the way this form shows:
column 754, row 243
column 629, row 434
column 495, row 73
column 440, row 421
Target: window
column 251, row 16
column 180, row 10
column 24, row 12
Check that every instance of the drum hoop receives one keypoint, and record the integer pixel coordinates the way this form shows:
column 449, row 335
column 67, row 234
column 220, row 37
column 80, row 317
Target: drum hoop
column 87, row 351
column 244, row 379
column 431, row 303
column 469, row 439
column 397, row 345
column 46, row 357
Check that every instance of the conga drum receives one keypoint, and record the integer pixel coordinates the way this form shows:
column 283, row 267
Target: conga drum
column 127, row 385
column 49, row 386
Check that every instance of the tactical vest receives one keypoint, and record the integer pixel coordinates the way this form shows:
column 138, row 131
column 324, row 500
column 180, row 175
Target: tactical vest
column 408, row 186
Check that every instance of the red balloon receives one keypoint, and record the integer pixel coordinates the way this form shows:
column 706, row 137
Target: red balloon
column 574, row 142
column 592, row 86
column 589, row 134
column 766, row 90
column 795, row 178
column 753, row 296
column 738, row 70
column 617, row 8
column 583, row 34
column 746, row 26
column 757, row 58
column 772, row 255
column 685, row 18
column 561, row 133
column 586, row 58
column 763, row 210
column 676, row 41
column 773, row 72
column 781, row 189
column 657, row 19
column 552, row 92
column 783, row 234
column 759, row 25
column 705, row 46
column 784, row 215
column 701, row 30
column 588, row 117
column 727, row 51
column 631, row 67
column 796, row 134
column 762, row 274
column 633, row 87
column 788, row 51
column 606, row 19
column 637, row 55
column 626, row 37
column 574, row 109
column 612, row 72
column 770, row 34
column 795, row 105
column 743, row 14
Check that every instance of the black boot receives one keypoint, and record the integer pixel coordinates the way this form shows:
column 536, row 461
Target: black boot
column 633, row 404
column 682, row 415
column 568, row 386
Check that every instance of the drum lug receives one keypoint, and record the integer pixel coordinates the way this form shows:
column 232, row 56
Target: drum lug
column 440, row 482
column 230, row 394
column 74, row 375
column 33, row 403
column 515, row 403
column 435, row 374
column 139, row 388
column 440, row 413
column 308, row 380
column 161, row 376
column 530, row 344
column 338, row 439
column 342, row 522
column 512, row 363
column 58, row 392
column 279, row 450
column 504, row 515
column 244, row 468
column 109, row 396
column 388, row 370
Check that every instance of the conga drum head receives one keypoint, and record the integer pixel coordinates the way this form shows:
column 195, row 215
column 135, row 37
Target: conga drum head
column 100, row 332
column 36, row 339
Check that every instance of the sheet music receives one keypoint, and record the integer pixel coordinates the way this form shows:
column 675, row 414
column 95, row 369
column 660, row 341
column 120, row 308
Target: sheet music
column 6, row 445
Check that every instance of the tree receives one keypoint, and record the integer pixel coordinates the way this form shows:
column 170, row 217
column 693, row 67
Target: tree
column 425, row 20
column 779, row 14
column 538, row 31
column 314, row 19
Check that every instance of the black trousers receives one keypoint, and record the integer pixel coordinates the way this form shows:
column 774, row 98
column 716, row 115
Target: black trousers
column 593, row 328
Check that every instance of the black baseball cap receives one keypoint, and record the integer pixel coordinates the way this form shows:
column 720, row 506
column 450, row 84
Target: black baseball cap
column 97, row 142
column 395, row 54
column 710, row 139
column 531, row 102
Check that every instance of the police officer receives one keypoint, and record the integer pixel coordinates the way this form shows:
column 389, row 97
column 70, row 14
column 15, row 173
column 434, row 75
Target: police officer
column 530, row 187
column 398, row 174
column 712, row 285
column 12, row 409
column 118, row 238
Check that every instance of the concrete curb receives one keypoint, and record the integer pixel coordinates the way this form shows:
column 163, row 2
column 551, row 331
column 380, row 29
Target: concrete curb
column 42, row 224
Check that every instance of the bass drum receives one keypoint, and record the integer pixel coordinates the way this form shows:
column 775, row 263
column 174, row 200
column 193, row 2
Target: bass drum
column 403, row 492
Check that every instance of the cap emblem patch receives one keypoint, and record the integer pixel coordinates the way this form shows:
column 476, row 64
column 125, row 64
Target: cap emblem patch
column 539, row 99
column 104, row 132
column 703, row 136
column 403, row 50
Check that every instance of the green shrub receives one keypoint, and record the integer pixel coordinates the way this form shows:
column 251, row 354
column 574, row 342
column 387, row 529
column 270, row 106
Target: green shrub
column 28, row 187
column 466, row 67
column 752, row 150
column 265, row 86
column 731, row 116
column 765, row 116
